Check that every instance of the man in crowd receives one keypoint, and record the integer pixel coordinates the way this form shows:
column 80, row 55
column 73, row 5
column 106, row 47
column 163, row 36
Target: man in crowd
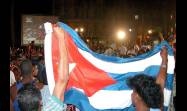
column 148, row 91
column 29, row 98
column 27, row 77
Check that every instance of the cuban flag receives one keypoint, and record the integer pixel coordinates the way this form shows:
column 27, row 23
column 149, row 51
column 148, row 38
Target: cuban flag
column 98, row 82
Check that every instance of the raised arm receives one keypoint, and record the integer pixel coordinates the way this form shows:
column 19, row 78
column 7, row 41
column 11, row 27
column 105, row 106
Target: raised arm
column 63, row 68
column 163, row 69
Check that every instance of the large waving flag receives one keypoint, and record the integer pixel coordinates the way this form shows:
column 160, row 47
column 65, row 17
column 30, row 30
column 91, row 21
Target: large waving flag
column 98, row 82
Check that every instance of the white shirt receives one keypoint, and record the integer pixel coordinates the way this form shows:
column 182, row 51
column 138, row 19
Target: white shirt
column 131, row 51
column 123, row 50
column 113, row 45
column 12, row 78
column 109, row 52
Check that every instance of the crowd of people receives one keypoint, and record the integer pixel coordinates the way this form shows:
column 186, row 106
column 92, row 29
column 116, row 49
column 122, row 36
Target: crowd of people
column 21, row 58
column 27, row 72
column 130, row 48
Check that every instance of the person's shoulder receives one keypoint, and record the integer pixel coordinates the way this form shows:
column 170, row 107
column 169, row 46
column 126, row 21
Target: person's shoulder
column 11, row 73
column 39, row 85
column 13, row 86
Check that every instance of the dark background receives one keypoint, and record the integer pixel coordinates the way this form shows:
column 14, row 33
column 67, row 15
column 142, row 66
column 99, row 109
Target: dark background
column 100, row 18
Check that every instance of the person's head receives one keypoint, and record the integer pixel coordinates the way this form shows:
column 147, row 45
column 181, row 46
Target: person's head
column 41, row 60
column 26, row 68
column 146, row 90
column 29, row 98
column 32, row 42
column 34, row 70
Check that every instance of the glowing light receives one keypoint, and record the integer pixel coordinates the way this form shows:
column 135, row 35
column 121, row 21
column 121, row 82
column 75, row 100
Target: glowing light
column 136, row 17
column 81, row 29
column 121, row 35
column 76, row 29
column 171, row 16
column 150, row 31
column 87, row 40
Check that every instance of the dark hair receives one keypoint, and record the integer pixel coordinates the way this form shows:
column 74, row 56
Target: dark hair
column 29, row 98
column 40, row 58
column 147, row 89
column 26, row 67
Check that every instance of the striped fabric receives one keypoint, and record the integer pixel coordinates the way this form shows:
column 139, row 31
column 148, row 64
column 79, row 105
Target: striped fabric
column 54, row 104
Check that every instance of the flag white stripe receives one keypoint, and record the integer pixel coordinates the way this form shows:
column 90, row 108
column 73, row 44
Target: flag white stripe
column 121, row 68
column 167, row 97
column 48, row 57
column 105, row 99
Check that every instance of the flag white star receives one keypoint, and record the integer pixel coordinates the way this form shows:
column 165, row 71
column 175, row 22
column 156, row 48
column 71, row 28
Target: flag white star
column 71, row 67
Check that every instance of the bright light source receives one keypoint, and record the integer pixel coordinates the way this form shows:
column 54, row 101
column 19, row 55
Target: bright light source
column 81, row 29
column 76, row 29
column 130, row 30
column 136, row 17
column 150, row 31
column 171, row 16
column 87, row 40
column 121, row 35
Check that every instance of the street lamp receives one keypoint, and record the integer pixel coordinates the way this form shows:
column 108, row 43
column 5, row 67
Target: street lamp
column 171, row 16
column 81, row 29
column 150, row 31
column 76, row 29
column 121, row 35
column 136, row 17
column 87, row 40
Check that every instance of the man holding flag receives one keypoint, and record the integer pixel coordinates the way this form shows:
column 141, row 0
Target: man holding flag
column 29, row 97
column 148, row 91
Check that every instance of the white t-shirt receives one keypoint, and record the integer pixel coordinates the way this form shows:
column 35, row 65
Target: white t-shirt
column 109, row 52
column 123, row 50
column 131, row 51
column 113, row 45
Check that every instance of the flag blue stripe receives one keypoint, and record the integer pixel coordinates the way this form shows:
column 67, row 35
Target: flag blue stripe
column 122, row 85
column 169, row 82
column 151, row 71
column 165, row 108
